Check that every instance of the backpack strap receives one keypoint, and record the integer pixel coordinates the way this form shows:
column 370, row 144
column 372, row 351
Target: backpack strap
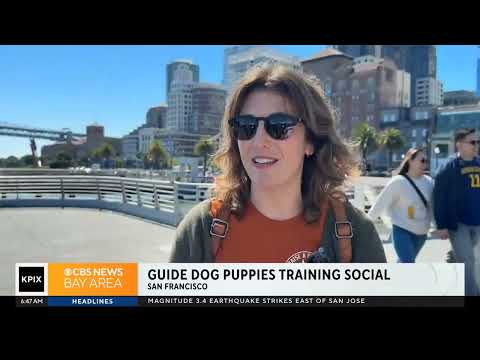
column 219, row 228
column 343, row 227
column 422, row 197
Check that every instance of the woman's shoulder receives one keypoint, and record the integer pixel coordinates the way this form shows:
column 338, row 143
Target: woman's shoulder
column 396, row 180
column 191, row 235
column 198, row 213
column 428, row 179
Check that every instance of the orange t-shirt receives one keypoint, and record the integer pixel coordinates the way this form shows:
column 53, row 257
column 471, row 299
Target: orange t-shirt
column 257, row 238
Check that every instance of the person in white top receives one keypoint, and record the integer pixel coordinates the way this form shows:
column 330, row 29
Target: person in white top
column 408, row 206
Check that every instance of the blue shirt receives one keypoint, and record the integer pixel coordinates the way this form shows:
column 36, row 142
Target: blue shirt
column 470, row 204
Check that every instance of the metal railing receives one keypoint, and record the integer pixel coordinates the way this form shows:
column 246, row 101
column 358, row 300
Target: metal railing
column 156, row 195
column 174, row 198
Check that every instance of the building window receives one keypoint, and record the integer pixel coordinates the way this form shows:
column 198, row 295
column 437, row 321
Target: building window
column 414, row 144
column 389, row 117
column 370, row 118
column 414, row 132
column 424, row 132
column 371, row 97
column 421, row 115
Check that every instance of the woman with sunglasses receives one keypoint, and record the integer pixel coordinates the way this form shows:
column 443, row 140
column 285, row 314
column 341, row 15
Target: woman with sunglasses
column 280, row 161
column 407, row 200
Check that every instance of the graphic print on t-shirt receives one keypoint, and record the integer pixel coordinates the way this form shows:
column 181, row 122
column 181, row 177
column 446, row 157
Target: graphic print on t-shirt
column 257, row 239
column 299, row 257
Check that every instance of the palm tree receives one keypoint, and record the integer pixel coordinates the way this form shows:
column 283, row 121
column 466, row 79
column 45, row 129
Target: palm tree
column 107, row 151
column 366, row 138
column 95, row 155
column 204, row 148
column 157, row 152
column 391, row 139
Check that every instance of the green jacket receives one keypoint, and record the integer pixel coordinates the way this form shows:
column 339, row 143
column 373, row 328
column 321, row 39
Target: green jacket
column 193, row 242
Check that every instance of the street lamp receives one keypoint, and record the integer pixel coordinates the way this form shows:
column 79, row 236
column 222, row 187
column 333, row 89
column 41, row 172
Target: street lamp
column 436, row 151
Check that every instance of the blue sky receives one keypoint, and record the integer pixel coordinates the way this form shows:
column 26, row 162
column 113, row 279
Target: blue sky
column 73, row 86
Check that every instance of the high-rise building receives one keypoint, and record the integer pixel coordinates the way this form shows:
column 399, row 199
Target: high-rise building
column 239, row 59
column 228, row 52
column 420, row 61
column 360, row 50
column 157, row 116
column 359, row 88
column 428, row 91
column 182, row 77
column 182, row 70
column 208, row 106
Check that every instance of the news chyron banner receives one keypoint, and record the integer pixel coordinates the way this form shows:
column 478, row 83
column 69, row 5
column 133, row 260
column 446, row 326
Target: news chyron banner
column 244, row 285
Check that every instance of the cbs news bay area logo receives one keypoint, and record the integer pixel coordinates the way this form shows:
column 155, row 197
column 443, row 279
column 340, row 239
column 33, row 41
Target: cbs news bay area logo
column 94, row 279
column 86, row 277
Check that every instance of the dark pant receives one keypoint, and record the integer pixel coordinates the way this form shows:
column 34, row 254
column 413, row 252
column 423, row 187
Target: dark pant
column 407, row 244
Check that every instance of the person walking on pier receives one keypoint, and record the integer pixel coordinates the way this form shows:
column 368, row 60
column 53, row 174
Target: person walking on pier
column 457, row 206
column 407, row 199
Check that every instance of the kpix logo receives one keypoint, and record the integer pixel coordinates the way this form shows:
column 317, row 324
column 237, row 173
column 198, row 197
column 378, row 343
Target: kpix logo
column 31, row 279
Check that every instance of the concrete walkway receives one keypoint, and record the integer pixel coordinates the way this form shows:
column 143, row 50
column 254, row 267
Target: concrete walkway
column 76, row 235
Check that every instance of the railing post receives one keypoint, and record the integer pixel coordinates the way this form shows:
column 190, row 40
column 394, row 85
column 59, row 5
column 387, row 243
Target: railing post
column 139, row 199
column 61, row 189
column 176, row 209
column 16, row 188
column 99, row 195
column 157, row 207
column 124, row 198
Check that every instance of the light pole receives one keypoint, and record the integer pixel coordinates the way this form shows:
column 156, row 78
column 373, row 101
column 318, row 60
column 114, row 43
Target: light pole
column 436, row 151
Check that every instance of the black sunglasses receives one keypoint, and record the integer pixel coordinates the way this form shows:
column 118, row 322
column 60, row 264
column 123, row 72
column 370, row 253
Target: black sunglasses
column 423, row 160
column 472, row 142
column 277, row 125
